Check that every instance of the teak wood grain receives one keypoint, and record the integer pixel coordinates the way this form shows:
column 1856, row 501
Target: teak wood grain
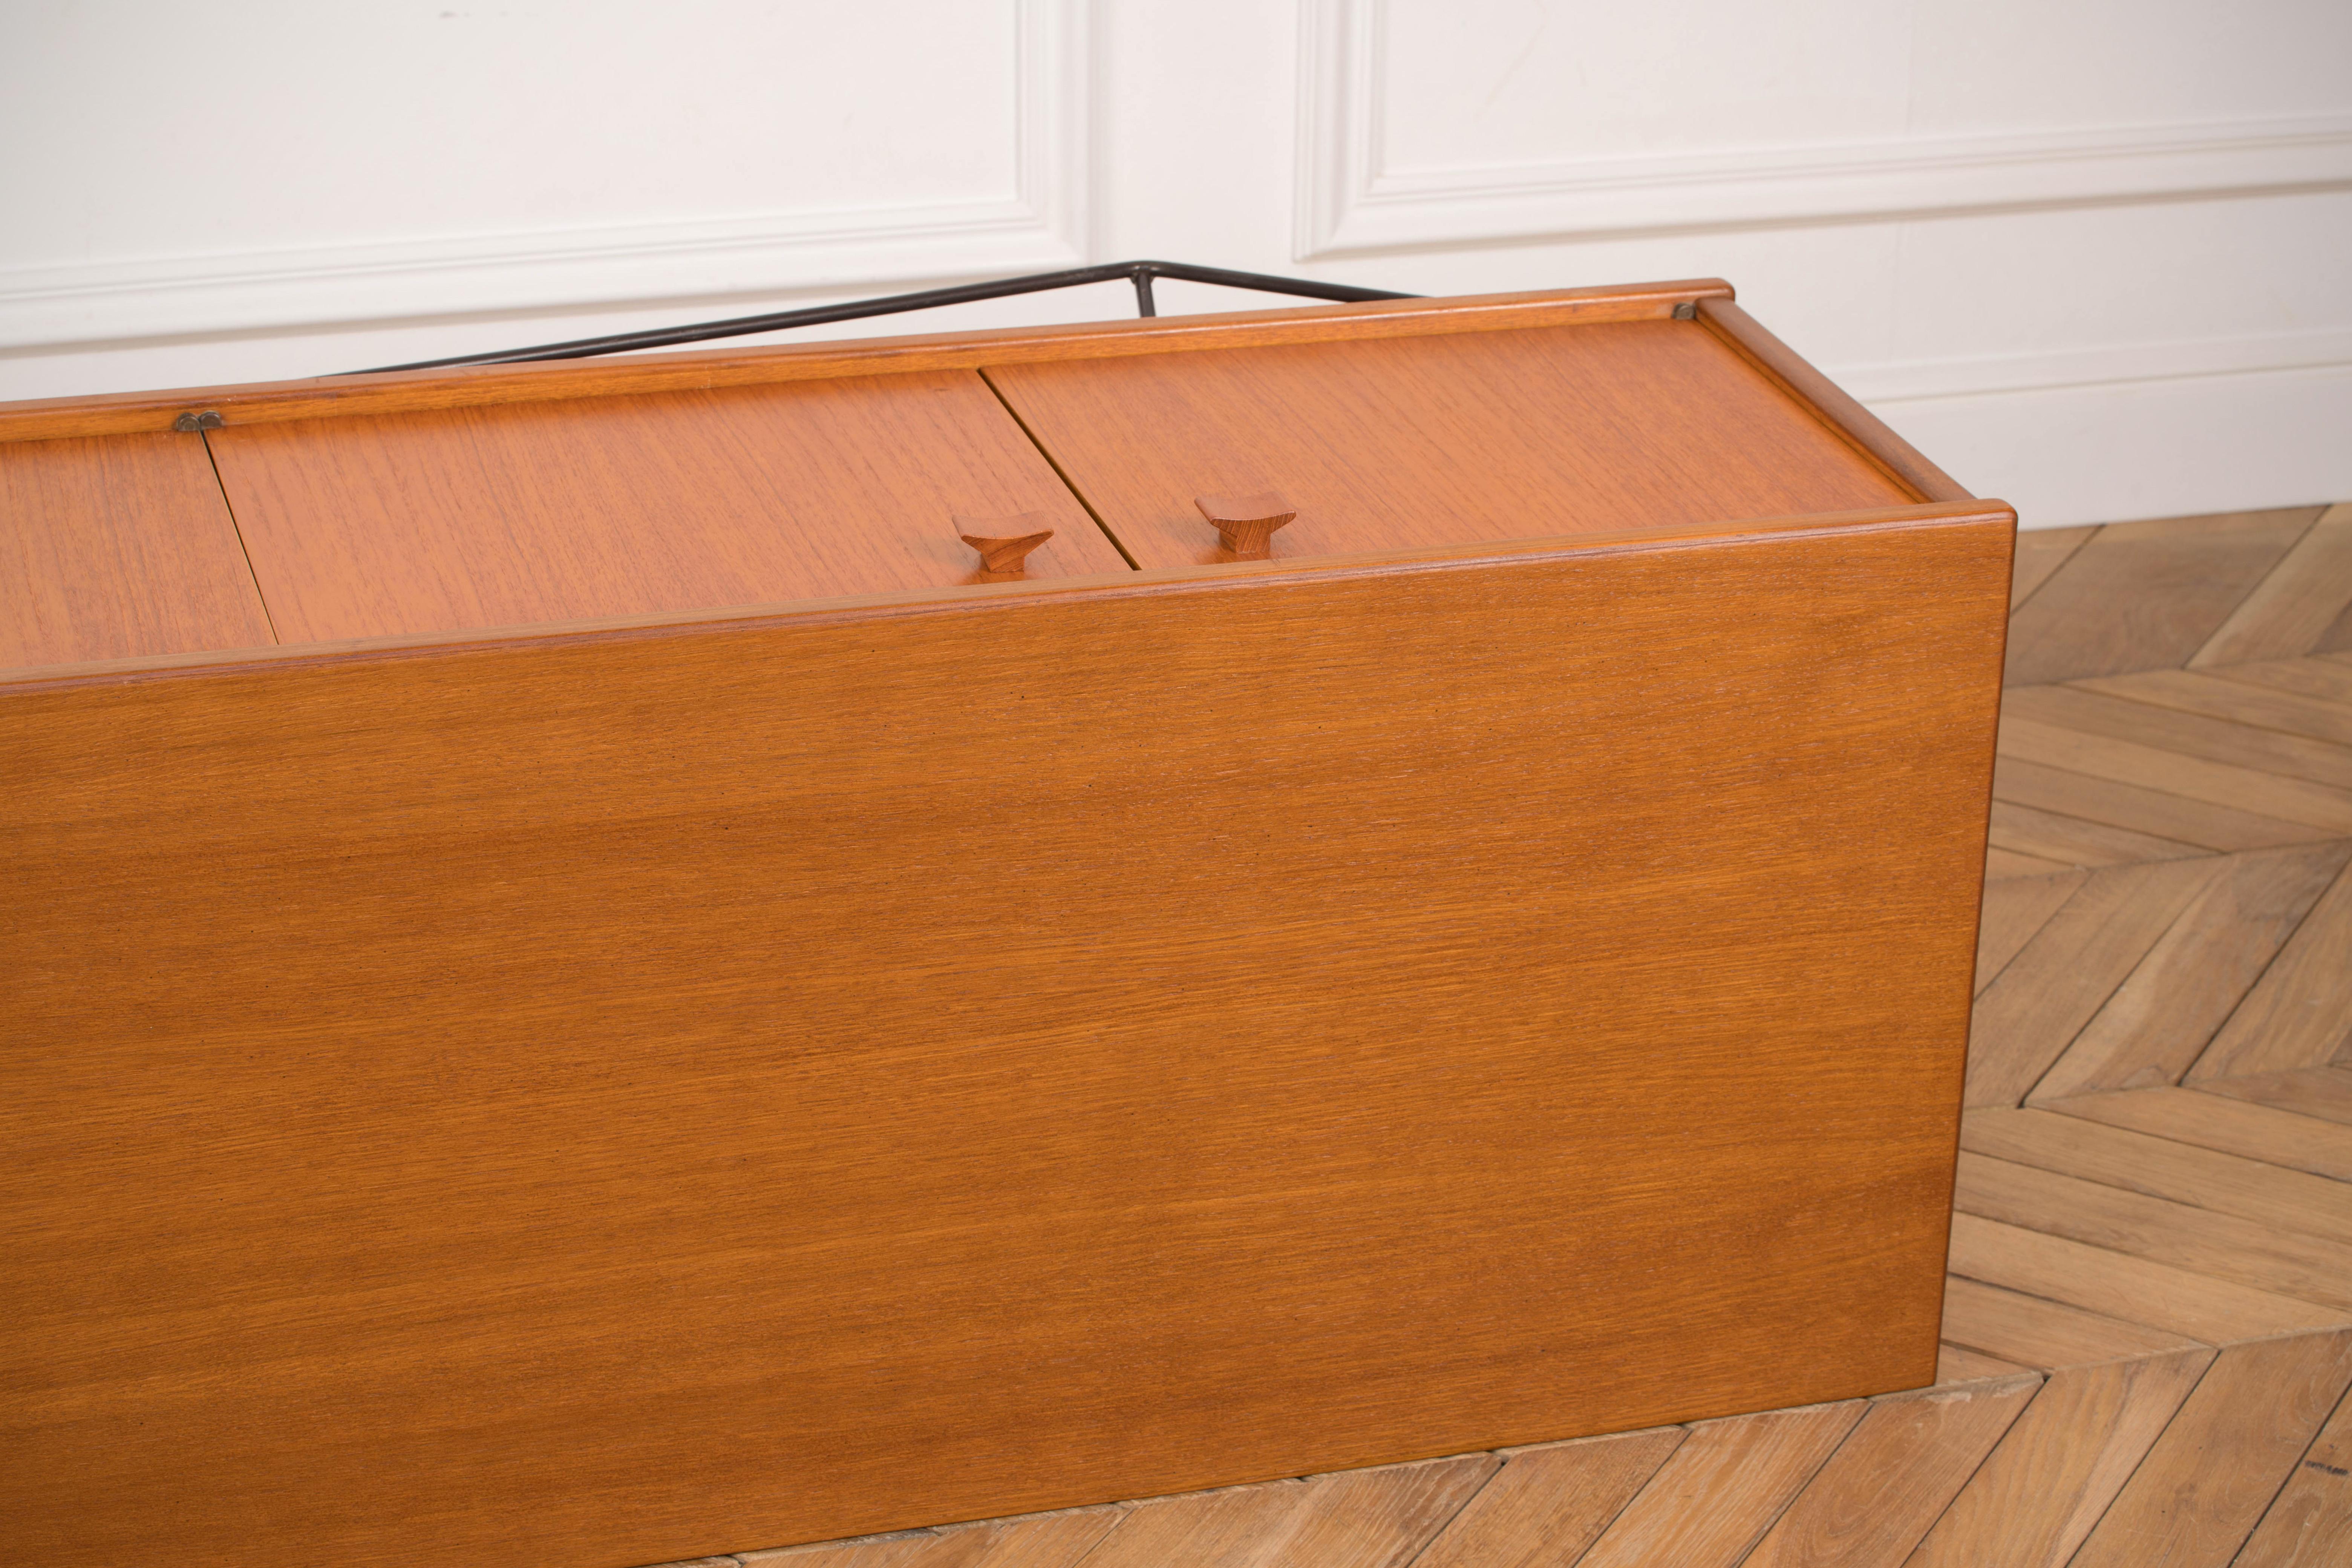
column 1865, row 430
column 414, row 523
column 117, row 549
column 408, row 392
column 605, row 1097
column 1410, row 442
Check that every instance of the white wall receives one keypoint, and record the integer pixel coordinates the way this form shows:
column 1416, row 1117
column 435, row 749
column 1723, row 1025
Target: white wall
column 2092, row 255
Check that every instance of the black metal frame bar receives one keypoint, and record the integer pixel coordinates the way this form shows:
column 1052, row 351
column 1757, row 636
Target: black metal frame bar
column 1139, row 273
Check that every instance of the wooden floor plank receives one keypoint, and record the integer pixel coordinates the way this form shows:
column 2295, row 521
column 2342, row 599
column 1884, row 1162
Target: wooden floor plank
column 2196, row 1496
column 1546, row 1504
column 2324, row 1092
column 2044, row 1336
column 2260, row 1132
column 1050, row 1540
column 2142, row 810
column 2173, row 1004
column 2011, row 913
column 1958, row 1364
column 2147, row 596
column 916, row 1548
column 2224, row 1247
column 2077, row 842
column 1892, row 1477
column 2189, row 734
column 2040, row 551
column 2197, row 691
column 2299, row 1014
column 2294, row 607
column 1354, row 1519
column 2045, row 1484
column 2004, row 865
column 1230, row 1527
column 2326, row 680
column 2322, row 806
column 2116, row 1285
column 2051, row 988
column 1039, row 1541
column 1379, row 1518
column 1722, row 1490
column 2118, row 1157
column 2309, row 1524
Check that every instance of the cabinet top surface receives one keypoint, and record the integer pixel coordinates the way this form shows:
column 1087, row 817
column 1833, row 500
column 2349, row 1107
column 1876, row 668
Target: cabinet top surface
column 518, row 513
column 423, row 504
column 1406, row 443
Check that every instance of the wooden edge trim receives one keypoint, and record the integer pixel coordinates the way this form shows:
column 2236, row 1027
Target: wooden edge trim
column 402, row 391
column 1865, row 430
column 1006, row 595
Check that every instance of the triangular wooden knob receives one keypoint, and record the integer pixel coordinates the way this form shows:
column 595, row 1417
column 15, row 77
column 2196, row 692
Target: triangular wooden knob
column 1246, row 523
column 1003, row 543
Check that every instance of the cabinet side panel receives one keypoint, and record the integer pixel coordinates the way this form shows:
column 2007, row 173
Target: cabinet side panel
column 620, row 1101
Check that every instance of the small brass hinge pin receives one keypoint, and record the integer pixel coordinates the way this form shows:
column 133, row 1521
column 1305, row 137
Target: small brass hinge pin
column 207, row 420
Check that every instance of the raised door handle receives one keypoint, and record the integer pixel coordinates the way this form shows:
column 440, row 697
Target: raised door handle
column 1004, row 542
column 1246, row 523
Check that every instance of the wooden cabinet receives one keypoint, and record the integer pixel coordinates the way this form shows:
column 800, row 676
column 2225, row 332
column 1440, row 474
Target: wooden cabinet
column 555, row 1057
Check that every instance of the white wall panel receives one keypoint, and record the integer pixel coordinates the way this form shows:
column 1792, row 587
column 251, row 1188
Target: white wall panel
column 277, row 162
column 1470, row 121
column 2092, row 254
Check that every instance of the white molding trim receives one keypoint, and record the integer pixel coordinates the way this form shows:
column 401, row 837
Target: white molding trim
column 2138, row 363
column 1041, row 225
column 1349, row 205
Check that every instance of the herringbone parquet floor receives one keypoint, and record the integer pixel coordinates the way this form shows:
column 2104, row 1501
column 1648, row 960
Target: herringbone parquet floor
column 2148, row 1322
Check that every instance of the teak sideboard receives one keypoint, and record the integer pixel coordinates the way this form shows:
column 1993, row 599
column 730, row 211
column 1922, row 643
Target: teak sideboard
column 608, row 962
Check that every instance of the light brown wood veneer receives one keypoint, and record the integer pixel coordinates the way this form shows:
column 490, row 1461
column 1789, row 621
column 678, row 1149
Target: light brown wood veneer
column 1405, row 443
column 606, row 1098
column 117, row 548
column 414, row 523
